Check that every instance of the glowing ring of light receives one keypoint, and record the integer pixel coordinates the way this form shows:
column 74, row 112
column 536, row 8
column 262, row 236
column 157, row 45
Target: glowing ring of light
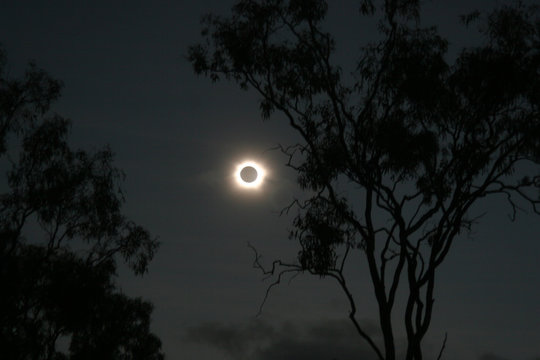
column 250, row 185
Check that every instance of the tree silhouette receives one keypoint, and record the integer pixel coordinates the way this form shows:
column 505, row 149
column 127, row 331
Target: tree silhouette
column 394, row 156
column 61, row 232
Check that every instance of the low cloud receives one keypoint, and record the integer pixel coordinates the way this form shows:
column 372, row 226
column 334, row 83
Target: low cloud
column 260, row 340
column 236, row 341
column 490, row 356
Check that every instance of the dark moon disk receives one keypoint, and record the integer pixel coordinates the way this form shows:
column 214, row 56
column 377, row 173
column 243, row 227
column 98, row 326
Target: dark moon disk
column 249, row 174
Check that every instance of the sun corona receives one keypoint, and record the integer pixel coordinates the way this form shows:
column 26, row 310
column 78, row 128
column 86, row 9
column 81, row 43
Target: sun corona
column 249, row 175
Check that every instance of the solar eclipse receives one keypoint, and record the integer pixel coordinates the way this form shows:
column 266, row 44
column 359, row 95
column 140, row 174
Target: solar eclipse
column 249, row 175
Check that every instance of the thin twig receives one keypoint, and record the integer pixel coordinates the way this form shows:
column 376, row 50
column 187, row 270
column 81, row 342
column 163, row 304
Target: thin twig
column 443, row 346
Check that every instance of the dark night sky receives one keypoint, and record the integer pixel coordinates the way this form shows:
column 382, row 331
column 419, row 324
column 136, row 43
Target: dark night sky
column 179, row 137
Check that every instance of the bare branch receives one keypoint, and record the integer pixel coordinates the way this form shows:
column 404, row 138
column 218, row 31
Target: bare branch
column 443, row 346
column 274, row 271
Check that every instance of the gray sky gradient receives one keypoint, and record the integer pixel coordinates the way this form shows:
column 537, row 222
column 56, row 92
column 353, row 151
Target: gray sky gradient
column 179, row 137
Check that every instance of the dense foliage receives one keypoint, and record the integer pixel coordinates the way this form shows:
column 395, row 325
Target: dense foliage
column 61, row 232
